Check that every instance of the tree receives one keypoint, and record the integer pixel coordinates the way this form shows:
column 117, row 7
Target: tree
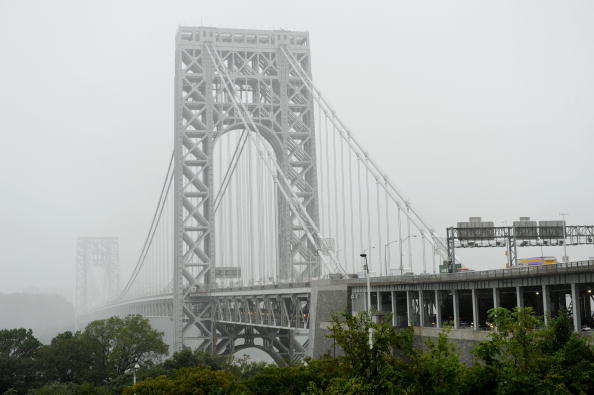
column 523, row 357
column 570, row 359
column 18, row 356
column 436, row 370
column 70, row 389
column 118, row 344
column 66, row 359
column 186, row 358
column 280, row 380
column 375, row 364
column 196, row 381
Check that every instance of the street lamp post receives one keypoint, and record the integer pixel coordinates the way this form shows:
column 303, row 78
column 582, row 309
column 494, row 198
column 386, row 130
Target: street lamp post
column 136, row 366
column 387, row 261
column 365, row 251
column 401, row 259
column 366, row 269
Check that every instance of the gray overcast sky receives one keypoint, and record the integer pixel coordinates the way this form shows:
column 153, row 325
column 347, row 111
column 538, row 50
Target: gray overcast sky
column 472, row 107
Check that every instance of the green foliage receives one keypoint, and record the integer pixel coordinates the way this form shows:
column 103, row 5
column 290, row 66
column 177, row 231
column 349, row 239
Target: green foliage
column 188, row 359
column 18, row 358
column 118, row 344
column 102, row 354
column 522, row 357
column 66, row 359
column 58, row 388
column 281, row 380
column 437, row 370
column 196, row 381
column 344, row 386
column 371, row 364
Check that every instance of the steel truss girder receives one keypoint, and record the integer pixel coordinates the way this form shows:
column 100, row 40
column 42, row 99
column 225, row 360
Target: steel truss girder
column 282, row 111
column 282, row 311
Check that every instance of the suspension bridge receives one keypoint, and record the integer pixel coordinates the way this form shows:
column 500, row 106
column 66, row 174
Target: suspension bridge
column 267, row 202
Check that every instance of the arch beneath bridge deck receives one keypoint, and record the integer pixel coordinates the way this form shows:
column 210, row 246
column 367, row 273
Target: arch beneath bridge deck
column 276, row 357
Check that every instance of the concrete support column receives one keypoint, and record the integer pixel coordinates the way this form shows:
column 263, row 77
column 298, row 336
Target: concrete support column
column 546, row 303
column 421, row 309
column 475, row 312
column 496, row 298
column 394, row 305
column 409, row 308
column 575, row 302
column 519, row 297
column 456, row 303
column 438, row 309
column 378, row 298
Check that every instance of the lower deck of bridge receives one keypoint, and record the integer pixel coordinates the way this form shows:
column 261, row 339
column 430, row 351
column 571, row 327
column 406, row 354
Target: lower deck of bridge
column 468, row 308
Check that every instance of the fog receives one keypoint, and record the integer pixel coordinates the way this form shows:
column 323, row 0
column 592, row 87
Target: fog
column 473, row 108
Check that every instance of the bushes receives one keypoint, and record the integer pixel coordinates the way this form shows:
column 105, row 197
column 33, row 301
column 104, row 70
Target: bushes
column 521, row 356
column 197, row 381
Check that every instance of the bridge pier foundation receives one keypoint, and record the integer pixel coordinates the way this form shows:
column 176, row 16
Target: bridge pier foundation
column 409, row 309
column 475, row 312
column 575, row 303
column 421, row 309
column 496, row 298
column 456, row 305
column 437, row 309
column 546, row 303
column 519, row 296
column 394, row 308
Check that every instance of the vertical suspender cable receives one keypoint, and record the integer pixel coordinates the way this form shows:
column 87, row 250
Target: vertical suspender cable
column 263, row 203
column 335, row 180
column 343, row 181
column 327, row 165
column 387, row 257
column 221, row 224
column 251, row 236
column 360, row 219
column 424, row 258
column 277, row 197
column 320, row 169
column 400, row 240
column 232, row 218
column 353, row 259
column 369, row 246
column 240, row 253
column 379, row 224
column 409, row 242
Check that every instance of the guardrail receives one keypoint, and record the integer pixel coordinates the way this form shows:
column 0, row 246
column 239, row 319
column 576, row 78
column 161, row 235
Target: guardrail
column 527, row 271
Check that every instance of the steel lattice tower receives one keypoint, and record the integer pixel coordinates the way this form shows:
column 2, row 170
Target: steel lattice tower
column 102, row 252
column 280, row 104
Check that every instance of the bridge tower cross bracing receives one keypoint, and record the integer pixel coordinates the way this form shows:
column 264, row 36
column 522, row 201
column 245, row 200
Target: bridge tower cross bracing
column 281, row 108
column 102, row 253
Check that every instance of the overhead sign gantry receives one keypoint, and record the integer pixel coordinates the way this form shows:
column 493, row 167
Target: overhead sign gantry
column 524, row 233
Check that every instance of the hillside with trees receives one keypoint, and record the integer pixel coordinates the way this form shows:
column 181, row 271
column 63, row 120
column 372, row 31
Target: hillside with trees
column 45, row 313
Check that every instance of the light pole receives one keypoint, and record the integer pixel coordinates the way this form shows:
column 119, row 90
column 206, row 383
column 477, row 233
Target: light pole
column 387, row 261
column 401, row 255
column 366, row 269
column 565, row 257
column 136, row 366
column 365, row 251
